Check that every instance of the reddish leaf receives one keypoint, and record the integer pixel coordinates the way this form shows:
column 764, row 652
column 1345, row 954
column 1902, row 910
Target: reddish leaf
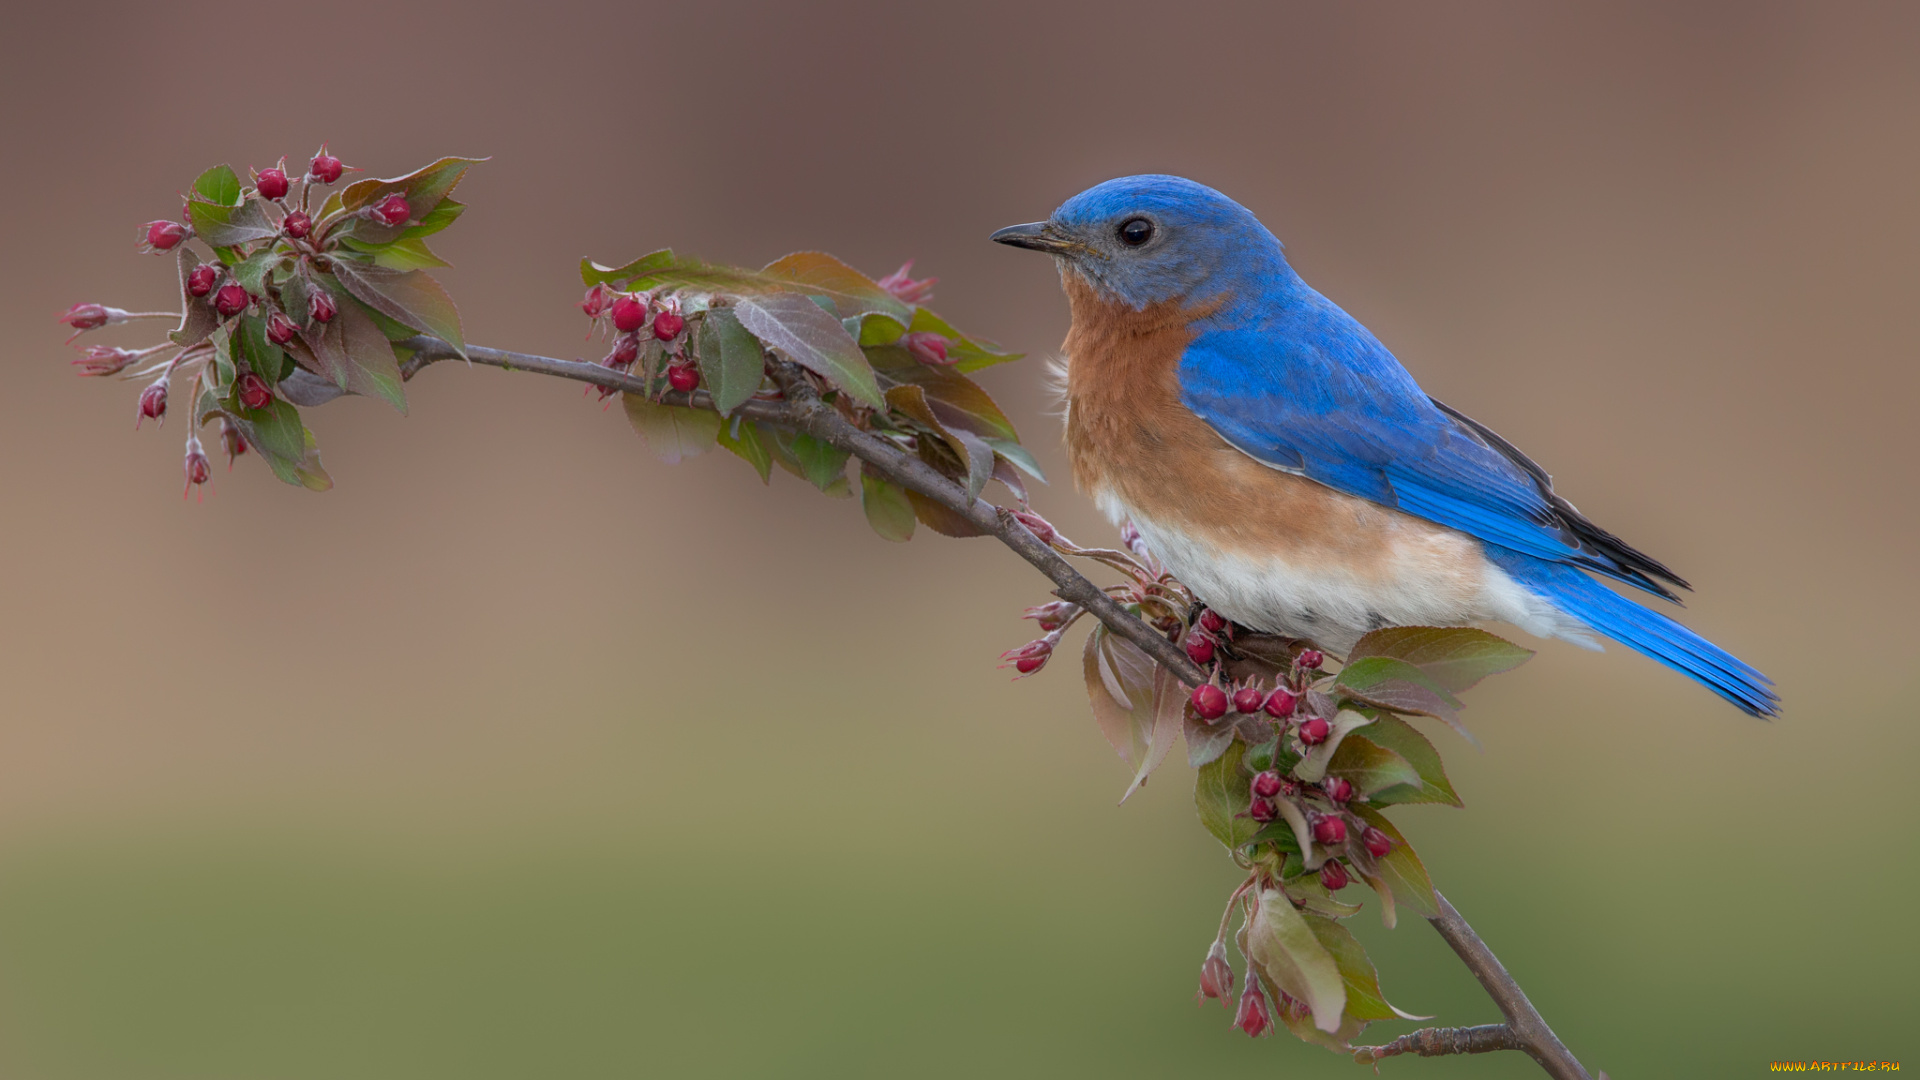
column 409, row 297
column 800, row 330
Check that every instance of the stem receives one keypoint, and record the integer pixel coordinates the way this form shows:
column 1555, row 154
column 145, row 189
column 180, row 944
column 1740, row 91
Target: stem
column 803, row 411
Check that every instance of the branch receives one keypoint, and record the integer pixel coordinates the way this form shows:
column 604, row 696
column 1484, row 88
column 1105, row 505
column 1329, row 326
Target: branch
column 802, row 411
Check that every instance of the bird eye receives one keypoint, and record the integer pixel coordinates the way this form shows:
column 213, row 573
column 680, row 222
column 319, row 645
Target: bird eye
column 1136, row 231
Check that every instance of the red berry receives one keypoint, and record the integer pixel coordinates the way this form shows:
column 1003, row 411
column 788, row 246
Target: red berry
column 197, row 466
column 231, row 300
column 279, row 329
column 1209, row 701
column 1247, row 699
column 1199, row 648
column 392, row 210
column 629, row 314
column 1338, row 788
column 667, row 325
column 1378, row 843
column 683, row 377
column 320, row 306
column 153, row 401
column 271, row 184
column 325, row 167
column 251, row 391
column 1333, row 875
column 1262, row 811
column 1212, row 622
column 1330, row 830
column 1282, row 703
column 164, row 235
column 1267, row 784
column 298, row 225
column 1313, row 731
column 1310, row 659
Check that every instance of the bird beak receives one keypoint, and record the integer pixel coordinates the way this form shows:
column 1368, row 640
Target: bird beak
column 1038, row 236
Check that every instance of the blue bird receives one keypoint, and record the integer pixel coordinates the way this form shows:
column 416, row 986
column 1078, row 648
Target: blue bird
column 1281, row 462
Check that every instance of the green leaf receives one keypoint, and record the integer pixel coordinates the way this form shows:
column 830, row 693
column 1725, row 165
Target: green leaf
column 815, row 273
column 1454, row 658
column 822, row 463
column 1364, row 999
column 283, row 442
column 219, row 185
column 1391, row 683
column 1403, row 739
column 796, row 327
column 672, row 433
column 877, row 328
column 746, row 443
column 441, row 216
column 423, row 188
column 1369, row 766
column 1313, row 767
column 223, row 369
column 409, row 297
column 967, row 447
column 592, row 273
column 266, row 359
column 1314, row 899
column 227, row 226
column 402, row 254
column 353, row 352
column 1017, row 454
column 731, row 361
column 1290, row 953
column 1401, row 870
column 967, row 354
column 956, row 400
column 252, row 271
column 886, row 505
column 1219, row 791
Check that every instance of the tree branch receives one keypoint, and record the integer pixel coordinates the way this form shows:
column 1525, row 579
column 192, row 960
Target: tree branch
column 802, row 411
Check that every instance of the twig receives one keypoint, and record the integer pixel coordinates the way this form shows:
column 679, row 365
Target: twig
column 802, row 411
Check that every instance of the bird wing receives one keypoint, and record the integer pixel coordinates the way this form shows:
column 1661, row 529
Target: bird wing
column 1316, row 394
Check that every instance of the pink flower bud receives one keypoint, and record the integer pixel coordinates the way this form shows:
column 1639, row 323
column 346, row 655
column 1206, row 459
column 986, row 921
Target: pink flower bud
column 1247, row 700
column 1333, row 875
column 905, row 289
column 927, row 347
column 668, row 324
column 1253, row 1016
column 1040, row 527
column 1209, row 701
column 597, row 301
column 1030, row 657
column 1338, row 788
column 201, row 278
column 87, row 316
column 271, row 183
column 231, row 300
column 683, row 377
column 280, row 329
column 1267, row 784
column 164, row 235
column 231, row 440
column 1310, row 659
column 320, row 306
column 105, row 360
column 198, row 469
column 629, row 314
column 1328, row 829
column 325, row 167
column 1199, row 648
column 153, row 402
column 1212, row 621
column 392, row 210
column 1130, row 536
column 1051, row 616
column 252, row 392
column 298, row 225
column 1379, row 844
column 1263, row 810
column 1216, row 976
column 626, row 349
column 1281, row 704
column 1314, row 731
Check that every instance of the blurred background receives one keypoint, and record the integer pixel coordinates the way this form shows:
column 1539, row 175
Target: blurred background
column 520, row 753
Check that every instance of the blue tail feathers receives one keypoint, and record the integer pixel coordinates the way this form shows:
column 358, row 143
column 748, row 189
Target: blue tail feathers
column 1642, row 629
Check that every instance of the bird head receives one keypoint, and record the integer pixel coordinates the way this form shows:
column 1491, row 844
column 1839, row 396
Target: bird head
column 1147, row 240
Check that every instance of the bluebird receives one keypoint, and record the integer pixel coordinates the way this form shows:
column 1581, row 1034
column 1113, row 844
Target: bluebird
column 1285, row 466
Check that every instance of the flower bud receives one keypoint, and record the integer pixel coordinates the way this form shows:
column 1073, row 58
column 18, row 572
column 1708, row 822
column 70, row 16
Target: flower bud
column 683, row 377
column 1333, row 875
column 164, row 235
column 153, row 401
column 1199, row 648
column 1379, row 844
column 629, row 314
column 1253, row 1016
column 597, row 301
column 325, row 167
column 1314, row 731
column 1040, row 527
column 626, row 349
column 251, row 391
column 1030, row 657
column 392, row 210
column 1263, row 810
column 298, row 225
column 201, row 278
column 1281, row 703
column 87, row 317
column 1247, row 699
column 668, row 324
column 927, row 347
column 1267, row 784
column 1212, row 621
column 905, row 289
column 1216, row 976
column 197, row 467
column 231, row 440
column 1130, row 536
column 1310, row 660
column 1051, row 616
column 271, row 183
column 280, row 329
column 1209, row 702
column 1338, row 788
column 105, row 360
column 320, row 306
column 1328, row 829
column 231, row 300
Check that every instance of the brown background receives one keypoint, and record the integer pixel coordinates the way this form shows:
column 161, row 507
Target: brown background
column 520, row 753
